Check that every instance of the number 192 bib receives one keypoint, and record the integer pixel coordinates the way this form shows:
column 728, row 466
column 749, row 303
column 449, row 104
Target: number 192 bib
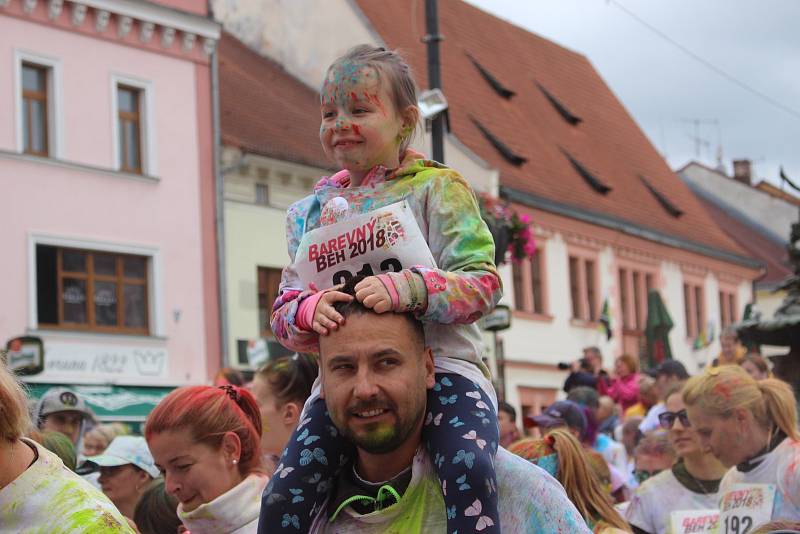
column 384, row 240
column 745, row 507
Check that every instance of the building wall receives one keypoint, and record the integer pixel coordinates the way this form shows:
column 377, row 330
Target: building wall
column 535, row 344
column 79, row 200
column 255, row 234
column 305, row 45
column 772, row 213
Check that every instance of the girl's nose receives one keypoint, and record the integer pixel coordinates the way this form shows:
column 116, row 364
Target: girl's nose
column 341, row 124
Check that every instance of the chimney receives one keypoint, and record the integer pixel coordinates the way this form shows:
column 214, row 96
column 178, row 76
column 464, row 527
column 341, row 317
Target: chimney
column 741, row 171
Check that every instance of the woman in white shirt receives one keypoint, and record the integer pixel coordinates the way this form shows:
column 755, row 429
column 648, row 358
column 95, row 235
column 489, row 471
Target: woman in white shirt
column 751, row 427
column 691, row 484
column 207, row 443
column 37, row 492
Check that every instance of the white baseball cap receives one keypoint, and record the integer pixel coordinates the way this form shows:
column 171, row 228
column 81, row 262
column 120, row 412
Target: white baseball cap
column 125, row 450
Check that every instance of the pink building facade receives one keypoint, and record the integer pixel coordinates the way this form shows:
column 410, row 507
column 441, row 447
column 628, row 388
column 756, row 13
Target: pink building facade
column 107, row 179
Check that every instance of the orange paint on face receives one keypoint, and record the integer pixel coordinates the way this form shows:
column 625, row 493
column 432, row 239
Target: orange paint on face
column 375, row 99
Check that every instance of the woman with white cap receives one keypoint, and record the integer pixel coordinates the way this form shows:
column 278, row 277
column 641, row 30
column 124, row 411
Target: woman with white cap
column 126, row 470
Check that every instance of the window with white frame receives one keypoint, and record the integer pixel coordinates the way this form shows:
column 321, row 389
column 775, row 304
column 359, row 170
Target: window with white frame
column 262, row 194
column 35, row 109
column 634, row 285
column 529, row 292
column 89, row 290
column 129, row 129
column 694, row 309
column 727, row 308
column 583, row 288
column 133, row 135
column 38, row 96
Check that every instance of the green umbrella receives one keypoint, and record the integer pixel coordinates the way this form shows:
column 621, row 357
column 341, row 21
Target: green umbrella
column 659, row 323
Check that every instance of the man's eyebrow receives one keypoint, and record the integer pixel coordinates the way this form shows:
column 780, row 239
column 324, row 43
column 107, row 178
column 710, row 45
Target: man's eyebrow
column 339, row 359
column 385, row 352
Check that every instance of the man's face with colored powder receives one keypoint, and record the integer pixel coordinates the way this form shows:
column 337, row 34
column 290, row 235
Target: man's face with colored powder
column 375, row 375
column 360, row 126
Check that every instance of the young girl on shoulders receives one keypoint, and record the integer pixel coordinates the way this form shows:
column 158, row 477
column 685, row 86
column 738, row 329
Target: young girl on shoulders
column 413, row 227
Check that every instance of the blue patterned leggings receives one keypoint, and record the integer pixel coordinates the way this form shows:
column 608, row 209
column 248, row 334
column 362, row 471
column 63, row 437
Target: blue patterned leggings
column 460, row 434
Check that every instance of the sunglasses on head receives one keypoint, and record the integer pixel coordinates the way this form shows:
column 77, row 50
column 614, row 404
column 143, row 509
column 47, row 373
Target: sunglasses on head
column 667, row 419
column 642, row 475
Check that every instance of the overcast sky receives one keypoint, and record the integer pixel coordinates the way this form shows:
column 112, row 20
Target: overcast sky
column 755, row 41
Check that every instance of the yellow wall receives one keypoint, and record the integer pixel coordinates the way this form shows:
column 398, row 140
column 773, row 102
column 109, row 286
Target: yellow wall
column 254, row 236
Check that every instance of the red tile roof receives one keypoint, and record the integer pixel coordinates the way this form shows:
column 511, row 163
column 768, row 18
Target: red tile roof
column 265, row 110
column 607, row 142
column 773, row 191
column 755, row 243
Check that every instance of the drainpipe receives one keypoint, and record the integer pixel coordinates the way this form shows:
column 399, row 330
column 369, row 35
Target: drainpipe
column 220, row 211
column 434, row 75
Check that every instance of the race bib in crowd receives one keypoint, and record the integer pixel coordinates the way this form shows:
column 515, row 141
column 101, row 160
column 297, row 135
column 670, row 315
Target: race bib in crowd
column 745, row 507
column 694, row 521
column 385, row 240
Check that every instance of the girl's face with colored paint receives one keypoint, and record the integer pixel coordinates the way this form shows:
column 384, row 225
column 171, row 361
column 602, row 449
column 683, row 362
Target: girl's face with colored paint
column 360, row 126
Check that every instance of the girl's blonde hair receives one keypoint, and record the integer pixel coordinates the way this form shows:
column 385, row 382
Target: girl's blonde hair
column 720, row 390
column 393, row 67
column 575, row 474
column 14, row 419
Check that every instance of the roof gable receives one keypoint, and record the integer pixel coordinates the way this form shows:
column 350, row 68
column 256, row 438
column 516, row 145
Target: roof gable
column 606, row 141
column 264, row 109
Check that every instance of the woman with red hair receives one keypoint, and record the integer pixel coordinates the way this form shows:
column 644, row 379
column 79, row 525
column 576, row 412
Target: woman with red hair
column 206, row 441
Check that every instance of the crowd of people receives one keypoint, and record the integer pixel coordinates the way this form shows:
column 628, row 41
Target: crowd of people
column 208, row 452
column 386, row 419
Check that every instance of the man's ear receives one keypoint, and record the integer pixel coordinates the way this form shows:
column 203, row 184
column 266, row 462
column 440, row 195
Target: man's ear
column 430, row 370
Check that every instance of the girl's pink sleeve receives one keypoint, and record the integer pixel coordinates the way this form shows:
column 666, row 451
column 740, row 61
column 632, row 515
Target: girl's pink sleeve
column 466, row 285
column 291, row 294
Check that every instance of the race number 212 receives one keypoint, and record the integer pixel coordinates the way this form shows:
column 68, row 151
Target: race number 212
column 387, row 265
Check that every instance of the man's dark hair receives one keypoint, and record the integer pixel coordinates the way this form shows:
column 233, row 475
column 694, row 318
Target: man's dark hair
column 354, row 307
column 672, row 368
column 503, row 406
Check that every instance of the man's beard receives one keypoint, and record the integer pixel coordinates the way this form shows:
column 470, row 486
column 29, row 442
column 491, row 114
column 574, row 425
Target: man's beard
column 381, row 437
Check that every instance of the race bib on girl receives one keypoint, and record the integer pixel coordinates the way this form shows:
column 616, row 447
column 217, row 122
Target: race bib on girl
column 745, row 507
column 385, row 240
column 694, row 521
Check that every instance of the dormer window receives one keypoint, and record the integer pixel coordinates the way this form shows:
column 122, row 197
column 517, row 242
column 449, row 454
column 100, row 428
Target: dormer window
column 670, row 208
column 561, row 108
column 594, row 182
column 508, row 154
column 498, row 87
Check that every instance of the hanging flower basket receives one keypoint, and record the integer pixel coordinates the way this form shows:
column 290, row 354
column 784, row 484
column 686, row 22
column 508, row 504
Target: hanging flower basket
column 510, row 230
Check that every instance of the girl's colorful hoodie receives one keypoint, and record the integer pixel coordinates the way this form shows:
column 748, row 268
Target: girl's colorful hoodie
column 465, row 285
